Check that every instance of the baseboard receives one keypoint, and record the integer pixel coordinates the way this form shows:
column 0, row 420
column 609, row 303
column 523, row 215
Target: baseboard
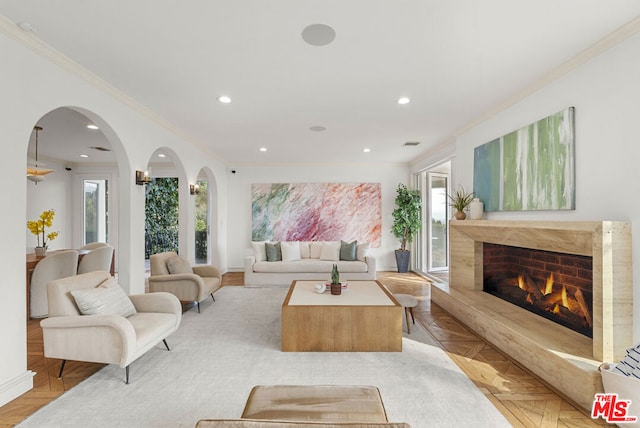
column 16, row 387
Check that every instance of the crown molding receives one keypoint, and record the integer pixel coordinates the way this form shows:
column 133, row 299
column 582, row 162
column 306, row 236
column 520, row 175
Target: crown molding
column 10, row 29
column 612, row 39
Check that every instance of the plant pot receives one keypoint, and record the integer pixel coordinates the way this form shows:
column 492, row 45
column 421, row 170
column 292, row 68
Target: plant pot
column 336, row 289
column 402, row 260
column 460, row 215
column 41, row 251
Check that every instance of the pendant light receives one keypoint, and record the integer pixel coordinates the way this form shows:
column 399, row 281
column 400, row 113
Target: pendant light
column 37, row 174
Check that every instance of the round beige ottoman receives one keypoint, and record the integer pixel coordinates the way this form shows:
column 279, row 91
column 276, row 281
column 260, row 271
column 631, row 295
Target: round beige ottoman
column 408, row 302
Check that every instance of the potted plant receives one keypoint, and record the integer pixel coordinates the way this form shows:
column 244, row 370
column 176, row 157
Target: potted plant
column 460, row 200
column 38, row 228
column 336, row 287
column 407, row 221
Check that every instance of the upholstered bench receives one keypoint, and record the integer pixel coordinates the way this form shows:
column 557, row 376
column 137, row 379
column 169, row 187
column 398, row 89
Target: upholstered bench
column 304, row 406
column 326, row 403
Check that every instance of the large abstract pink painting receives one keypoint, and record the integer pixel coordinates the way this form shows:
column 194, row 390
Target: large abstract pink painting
column 317, row 212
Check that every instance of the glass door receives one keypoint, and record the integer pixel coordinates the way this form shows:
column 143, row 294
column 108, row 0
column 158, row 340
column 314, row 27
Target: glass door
column 202, row 222
column 95, row 211
column 437, row 209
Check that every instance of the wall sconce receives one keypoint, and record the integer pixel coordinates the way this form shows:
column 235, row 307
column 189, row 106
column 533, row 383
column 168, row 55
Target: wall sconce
column 142, row 178
column 194, row 189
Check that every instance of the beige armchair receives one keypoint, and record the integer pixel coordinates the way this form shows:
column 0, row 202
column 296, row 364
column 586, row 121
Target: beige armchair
column 106, row 337
column 173, row 274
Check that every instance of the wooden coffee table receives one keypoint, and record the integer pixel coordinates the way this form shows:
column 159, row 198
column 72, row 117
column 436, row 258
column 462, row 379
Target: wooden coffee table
column 364, row 318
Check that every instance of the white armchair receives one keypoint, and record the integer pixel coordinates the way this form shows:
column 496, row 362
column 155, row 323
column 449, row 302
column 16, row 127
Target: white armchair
column 106, row 338
column 173, row 274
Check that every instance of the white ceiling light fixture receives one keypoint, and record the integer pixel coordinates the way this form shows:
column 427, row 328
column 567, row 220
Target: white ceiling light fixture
column 404, row 100
column 318, row 34
column 366, row 150
column 224, row 99
column 92, row 126
column 263, row 149
column 36, row 174
column 84, row 156
column 162, row 155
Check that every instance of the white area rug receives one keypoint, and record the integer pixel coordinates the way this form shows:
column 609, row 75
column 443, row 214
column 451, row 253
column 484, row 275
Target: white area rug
column 217, row 356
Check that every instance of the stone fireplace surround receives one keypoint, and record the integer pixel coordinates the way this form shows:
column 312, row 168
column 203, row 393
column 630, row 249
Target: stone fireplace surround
column 563, row 358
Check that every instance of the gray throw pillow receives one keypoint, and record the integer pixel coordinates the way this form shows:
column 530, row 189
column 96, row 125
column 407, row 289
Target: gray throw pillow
column 274, row 253
column 348, row 250
column 177, row 264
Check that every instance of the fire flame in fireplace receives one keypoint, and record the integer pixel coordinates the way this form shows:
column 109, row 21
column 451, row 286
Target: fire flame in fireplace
column 556, row 301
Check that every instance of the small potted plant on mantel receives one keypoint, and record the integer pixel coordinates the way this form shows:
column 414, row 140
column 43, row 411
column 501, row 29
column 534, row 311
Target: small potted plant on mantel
column 460, row 200
column 407, row 221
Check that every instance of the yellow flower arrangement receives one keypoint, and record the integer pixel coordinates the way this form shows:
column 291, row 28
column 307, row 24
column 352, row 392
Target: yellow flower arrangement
column 37, row 227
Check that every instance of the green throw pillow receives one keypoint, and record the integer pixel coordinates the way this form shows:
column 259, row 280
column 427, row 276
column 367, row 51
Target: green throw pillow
column 348, row 250
column 274, row 253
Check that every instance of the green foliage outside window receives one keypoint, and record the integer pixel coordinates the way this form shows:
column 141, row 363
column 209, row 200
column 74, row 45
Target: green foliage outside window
column 161, row 216
column 201, row 221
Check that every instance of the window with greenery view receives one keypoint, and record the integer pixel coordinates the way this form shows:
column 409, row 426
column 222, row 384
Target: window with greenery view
column 202, row 226
column 161, row 216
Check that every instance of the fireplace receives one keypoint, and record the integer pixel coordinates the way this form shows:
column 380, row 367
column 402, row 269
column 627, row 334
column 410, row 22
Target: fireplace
column 557, row 286
column 563, row 357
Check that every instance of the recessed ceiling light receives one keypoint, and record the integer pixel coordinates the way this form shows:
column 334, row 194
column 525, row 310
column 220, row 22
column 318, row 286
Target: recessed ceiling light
column 403, row 100
column 84, row 156
column 366, row 150
column 224, row 99
column 318, row 128
column 162, row 155
column 318, row 34
column 263, row 149
column 92, row 126
column 27, row 27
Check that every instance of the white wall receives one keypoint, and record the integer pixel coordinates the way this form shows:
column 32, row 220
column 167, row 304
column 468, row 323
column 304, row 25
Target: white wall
column 31, row 86
column 606, row 94
column 239, row 201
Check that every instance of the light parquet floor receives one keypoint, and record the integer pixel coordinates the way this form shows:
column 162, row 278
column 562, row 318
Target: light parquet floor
column 520, row 396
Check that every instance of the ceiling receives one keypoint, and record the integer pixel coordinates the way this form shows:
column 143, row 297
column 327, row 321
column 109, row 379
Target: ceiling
column 454, row 59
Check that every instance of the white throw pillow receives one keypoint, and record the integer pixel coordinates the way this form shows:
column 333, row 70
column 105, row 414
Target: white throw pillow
column 103, row 300
column 362, row 251
column 259, row 250
column 330, row 251
column 315, row 248
column 290, row 251
column 304, row 250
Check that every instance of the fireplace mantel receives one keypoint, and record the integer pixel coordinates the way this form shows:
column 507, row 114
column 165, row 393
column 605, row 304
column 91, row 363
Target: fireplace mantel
column 537, row 343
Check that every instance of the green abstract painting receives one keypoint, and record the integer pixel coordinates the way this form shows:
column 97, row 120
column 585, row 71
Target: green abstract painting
column 532, row 168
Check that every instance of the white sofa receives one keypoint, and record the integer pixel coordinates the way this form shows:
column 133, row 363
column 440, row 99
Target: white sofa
column 313, row 262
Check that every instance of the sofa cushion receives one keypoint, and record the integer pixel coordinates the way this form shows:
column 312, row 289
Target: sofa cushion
column 178, row 264
column 259, row 250
column 330, row 251
column 304, row 249
column 311, row 266
column 348, row 250
column 103, row 300
column 274, row 253
column 315, row 248
column 290, row 251
column 362, row 251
